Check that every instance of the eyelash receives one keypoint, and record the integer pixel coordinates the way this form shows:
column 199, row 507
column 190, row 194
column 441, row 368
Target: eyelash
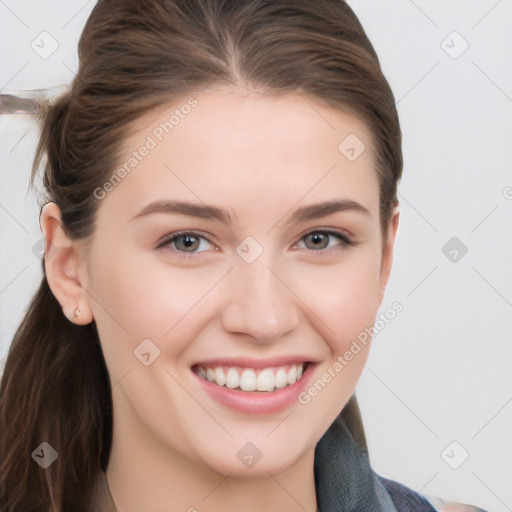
column 344, row 239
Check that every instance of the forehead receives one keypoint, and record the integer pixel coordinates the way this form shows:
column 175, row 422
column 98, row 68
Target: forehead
column 244, row 119
column 234, row 146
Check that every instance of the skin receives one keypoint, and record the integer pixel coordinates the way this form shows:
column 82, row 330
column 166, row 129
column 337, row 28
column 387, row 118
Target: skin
column 261, row 158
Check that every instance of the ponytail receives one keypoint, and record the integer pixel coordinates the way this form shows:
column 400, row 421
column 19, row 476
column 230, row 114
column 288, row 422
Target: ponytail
column 55, row 389
column 351, row 416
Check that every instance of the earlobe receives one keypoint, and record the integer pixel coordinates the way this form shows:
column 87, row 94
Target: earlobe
column 62, row 266
column 387, row 253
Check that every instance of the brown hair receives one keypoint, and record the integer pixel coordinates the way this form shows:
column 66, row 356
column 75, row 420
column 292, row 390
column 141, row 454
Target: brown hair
column 136, row 55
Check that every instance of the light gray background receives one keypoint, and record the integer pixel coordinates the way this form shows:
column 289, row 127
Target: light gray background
column 441, row 370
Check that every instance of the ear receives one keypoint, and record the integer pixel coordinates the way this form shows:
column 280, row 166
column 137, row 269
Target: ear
column 63, row 266
column 387, row 252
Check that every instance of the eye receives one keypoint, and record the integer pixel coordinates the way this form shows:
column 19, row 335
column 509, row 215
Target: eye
column 186, row 242
column 324, row 240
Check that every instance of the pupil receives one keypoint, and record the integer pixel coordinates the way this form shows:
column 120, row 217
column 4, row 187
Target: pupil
column 318, row 238
column 188, row 241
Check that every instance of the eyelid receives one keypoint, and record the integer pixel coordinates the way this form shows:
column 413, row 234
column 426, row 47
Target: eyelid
column 342, row 236
column 330, row 231
column 167, row 239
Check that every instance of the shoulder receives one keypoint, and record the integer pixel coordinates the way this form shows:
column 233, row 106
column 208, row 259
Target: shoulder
column 404, row 498
column 407, row 500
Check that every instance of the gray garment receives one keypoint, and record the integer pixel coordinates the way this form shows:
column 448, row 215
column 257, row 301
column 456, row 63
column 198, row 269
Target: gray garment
column 343, row 476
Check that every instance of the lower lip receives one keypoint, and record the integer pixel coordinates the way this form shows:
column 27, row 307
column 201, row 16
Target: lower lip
column 257, row 402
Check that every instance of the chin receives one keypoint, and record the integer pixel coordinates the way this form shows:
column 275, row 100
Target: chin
column 256, row 459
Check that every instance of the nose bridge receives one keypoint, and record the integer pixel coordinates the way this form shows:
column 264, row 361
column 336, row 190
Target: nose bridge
column 260, row 305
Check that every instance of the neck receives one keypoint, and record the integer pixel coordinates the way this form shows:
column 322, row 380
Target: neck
column 143, row 473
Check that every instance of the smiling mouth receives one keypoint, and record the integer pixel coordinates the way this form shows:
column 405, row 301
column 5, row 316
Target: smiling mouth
column 252, row 379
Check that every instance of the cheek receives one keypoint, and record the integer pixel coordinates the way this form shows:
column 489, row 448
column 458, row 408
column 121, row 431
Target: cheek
column 134, row 299
column 346, row 302
column 344, row 297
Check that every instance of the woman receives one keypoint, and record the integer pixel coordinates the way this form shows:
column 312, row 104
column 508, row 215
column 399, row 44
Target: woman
column 220, row 219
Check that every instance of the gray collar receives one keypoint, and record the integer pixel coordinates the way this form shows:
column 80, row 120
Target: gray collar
column 343, row 477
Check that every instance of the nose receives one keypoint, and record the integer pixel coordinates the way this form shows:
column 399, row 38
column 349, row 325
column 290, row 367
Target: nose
column 260, row 303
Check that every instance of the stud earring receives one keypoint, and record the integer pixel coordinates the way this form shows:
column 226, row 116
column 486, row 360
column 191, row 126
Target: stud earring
column 73, row 314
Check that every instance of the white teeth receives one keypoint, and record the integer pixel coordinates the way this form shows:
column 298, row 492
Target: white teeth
column 232, row 379
column 220, row 376
column 265, row 381
column 248, row 379
column 280, row 381
column 291, row 376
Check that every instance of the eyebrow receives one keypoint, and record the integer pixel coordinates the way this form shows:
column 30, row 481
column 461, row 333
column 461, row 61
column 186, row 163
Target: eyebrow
column 200, row 210
column 205, row 211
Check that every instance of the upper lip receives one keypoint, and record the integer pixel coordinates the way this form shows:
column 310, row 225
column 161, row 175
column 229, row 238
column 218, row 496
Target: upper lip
column 248, row 362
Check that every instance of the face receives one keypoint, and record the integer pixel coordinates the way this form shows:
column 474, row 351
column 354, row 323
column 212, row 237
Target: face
column 241, row 249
